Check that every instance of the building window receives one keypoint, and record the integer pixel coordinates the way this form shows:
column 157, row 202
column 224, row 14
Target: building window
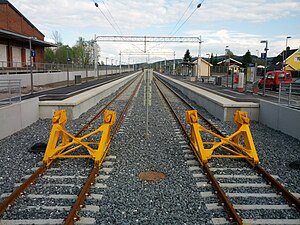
column 297, row 59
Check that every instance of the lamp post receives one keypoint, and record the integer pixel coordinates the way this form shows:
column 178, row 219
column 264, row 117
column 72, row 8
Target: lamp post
column 208, row 57
column 120, row 63
column 68, row 74
column 106, row 65
column 265, row 70
column 31, row 75
column 112, row 63
column 285, row 56
column 228, row 63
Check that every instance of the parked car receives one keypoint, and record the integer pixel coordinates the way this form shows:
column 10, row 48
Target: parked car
column 295, row 87
column 274, row 78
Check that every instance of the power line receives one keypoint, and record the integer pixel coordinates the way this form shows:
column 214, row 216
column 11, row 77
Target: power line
column 182, row 16
column 96, row 4
column 111, row 16
column 118, row 31
column 198, row 6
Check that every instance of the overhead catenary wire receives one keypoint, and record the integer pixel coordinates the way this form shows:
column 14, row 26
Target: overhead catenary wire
column 96, row 4
column 181, row 17
column 111, row 16
column 198, row 6
column 172, row 35
column 108, row 20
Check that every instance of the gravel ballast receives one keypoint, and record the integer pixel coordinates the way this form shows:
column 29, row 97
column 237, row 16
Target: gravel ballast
column 127, row 199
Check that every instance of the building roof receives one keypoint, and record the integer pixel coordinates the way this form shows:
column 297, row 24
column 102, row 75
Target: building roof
column 23, row 38
column 17, row 11
column 276, row 63
column 231, row 59
column 287, row 54
column 203, row 60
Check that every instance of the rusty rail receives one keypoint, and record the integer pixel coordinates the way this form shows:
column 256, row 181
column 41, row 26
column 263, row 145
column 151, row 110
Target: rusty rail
column 39, row 172
column 87, row 125
column 233, row 215
column 21, row 189
column 73, row 215
column 85, row 191
column 281, row 189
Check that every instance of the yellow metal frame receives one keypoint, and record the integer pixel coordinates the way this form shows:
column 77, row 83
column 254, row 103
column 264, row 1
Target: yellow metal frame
column 233, row 144
column 62, row 144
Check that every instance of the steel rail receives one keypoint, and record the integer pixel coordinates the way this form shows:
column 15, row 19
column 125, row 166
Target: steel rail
column 233, row 215
column 279, row 187
column 87, row 125
column 85, row 191
column 273, row 182
column 42, row 169
column 21, row 189
column 73, row 215
column 189, row 105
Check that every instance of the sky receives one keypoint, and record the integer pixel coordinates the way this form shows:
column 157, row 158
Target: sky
column 238, row 24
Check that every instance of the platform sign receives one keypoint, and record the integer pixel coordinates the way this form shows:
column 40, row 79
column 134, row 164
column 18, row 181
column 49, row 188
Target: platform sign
column 251, row 74
column 240, row 85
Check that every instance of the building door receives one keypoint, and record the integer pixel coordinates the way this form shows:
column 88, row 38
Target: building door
column 27, row 56
column 3, row 56
column 16, row 57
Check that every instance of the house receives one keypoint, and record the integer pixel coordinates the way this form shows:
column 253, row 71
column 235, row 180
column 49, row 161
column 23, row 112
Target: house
column 293, row 61
column 204, row 70
column 288, row 59
column 17, row 33
column 234, row 65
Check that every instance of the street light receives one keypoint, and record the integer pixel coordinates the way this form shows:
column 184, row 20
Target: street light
column 265, row 70
column 228, row 63
column 68, row 74
column 106, row 65
column 208, row 57
column 31, row 75
column 112, row 63
column 285, row 57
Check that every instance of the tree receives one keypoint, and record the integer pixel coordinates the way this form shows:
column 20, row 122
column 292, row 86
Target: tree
column 49, row 55
column 211, row 60
column 247, row 58
column 62, row 54
column 83, row 51
column 187, row 56
column 57, row 38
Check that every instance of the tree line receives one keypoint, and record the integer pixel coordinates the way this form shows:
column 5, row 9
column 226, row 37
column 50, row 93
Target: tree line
column 82, row 53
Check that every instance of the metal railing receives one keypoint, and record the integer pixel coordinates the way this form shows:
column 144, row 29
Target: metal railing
column 23, row 67
column 289, row 94
column 10, row 91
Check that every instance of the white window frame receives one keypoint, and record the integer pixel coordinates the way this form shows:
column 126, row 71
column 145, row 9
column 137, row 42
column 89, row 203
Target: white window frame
column 297, row 58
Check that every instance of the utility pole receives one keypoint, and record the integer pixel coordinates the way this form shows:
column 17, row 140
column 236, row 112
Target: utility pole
column 31, row 75
column 120, row 62
column 199, row 60
column 174, row 64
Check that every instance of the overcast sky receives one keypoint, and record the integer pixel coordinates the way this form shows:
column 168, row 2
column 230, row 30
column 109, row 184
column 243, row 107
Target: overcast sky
column 239, row 24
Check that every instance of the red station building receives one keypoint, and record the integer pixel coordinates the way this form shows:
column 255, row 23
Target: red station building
column 16, row 35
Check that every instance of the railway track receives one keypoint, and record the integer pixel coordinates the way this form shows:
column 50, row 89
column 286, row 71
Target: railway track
column 59, row 188
column 51, row 199
column 245, row 191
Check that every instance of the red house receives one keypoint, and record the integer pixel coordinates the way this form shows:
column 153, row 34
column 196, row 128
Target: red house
column 16, row 35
